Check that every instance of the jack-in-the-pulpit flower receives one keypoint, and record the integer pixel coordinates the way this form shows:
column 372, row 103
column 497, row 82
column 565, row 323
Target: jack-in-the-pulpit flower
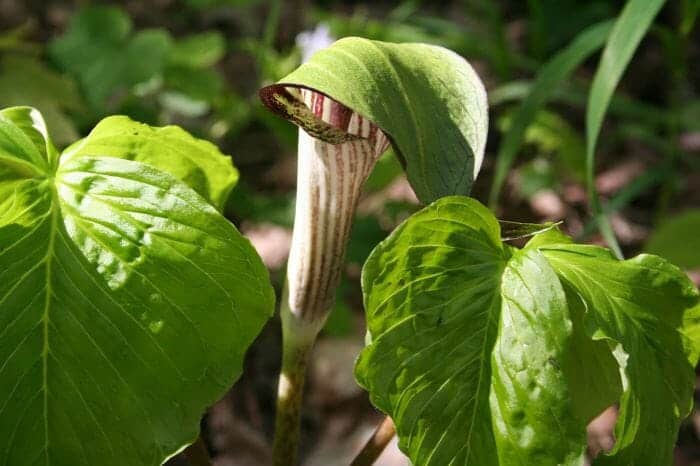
column 350, row 102
column 329, row 180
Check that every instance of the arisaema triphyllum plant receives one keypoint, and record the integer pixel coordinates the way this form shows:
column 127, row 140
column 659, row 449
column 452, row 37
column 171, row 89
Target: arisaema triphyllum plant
column 127, row 301
column 480, row 352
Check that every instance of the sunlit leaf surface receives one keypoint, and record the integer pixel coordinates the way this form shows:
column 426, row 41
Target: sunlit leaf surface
column 195, row 161
column 126, row 305
column 488, row 355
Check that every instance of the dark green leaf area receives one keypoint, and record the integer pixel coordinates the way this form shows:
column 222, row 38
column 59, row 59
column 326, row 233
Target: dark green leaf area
column 485, row 354
column 126, row 305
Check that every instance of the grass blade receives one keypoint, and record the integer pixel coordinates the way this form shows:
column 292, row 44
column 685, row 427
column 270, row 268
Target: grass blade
column 546, row 83
column 628, row 31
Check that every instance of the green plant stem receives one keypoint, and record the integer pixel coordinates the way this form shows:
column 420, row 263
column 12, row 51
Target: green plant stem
column 376, row 444
column 503, row 58
column 297, row 342
column 272, row 23
column 289, row 402
column 197, row 453
column 266, row 45
column 676, row 46
column 629, row 29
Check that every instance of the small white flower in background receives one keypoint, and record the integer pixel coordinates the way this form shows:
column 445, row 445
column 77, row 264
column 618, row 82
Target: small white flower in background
column 310, row 42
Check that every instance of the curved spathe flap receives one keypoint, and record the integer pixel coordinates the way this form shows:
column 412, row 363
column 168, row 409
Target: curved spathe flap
column 427, row 99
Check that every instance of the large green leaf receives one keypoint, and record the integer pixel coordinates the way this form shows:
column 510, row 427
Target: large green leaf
column 431, row 289
column 638, row 304
column 171, row 149
column 454, row 318
column 628, row 31
column 426, row 98
column 485, row 354
column 126, row 305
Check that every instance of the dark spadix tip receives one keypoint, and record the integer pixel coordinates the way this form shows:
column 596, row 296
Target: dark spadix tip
column 316, row 113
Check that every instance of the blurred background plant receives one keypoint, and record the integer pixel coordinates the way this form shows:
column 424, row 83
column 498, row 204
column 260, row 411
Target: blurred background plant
column 199, row 63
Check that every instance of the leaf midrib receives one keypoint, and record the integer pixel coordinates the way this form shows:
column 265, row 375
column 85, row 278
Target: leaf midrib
column 493, row 310
column 45, row 315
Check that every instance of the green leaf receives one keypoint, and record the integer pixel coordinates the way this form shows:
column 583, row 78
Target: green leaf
column 549, row 236
column 426, row 98
column 678, row 239
column 485, row 354
column 99, row 50
column 638, row 306
column 532, row 366
column 596, row 384
column 431, row 289
column 550, row 76
column 22, row 158
column 443, row 284
column 691, row 330
column 31, row 123
column 386, row 170
column 552, row 134
column 126, row 305
column 198, row 50
column 196, row 83
column 535, row 176
column 197, row 162
column 628, row 31
column 690, row 11
column 23, row 140
column 26, row 81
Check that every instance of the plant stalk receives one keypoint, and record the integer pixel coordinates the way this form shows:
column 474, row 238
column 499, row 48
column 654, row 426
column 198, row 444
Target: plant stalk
column 376, row 443
column 330, row 176
column 290, row 391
